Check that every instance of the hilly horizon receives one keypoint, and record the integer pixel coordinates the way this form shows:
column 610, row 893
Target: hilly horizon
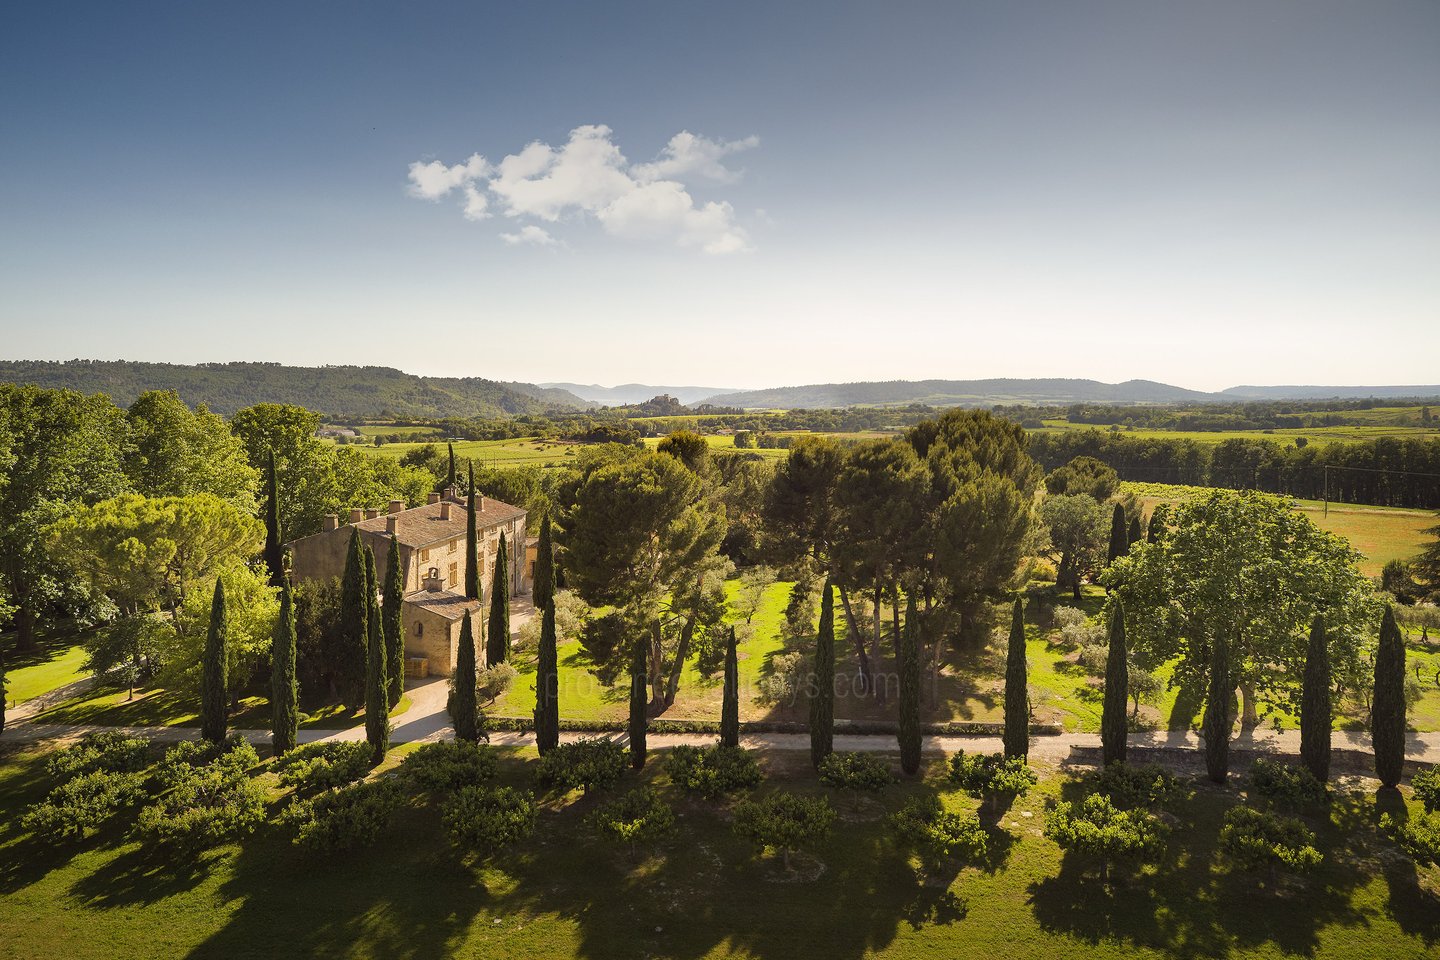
column 628, row 393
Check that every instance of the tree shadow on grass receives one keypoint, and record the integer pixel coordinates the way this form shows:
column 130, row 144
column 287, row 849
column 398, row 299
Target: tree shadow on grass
column 1415, row 906
column 24, row 857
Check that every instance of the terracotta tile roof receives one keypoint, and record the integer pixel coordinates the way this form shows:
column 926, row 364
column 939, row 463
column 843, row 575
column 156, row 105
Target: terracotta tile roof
column 450, row 605
column 421, row 526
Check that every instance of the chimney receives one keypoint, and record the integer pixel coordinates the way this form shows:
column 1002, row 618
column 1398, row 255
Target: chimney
column 392, row 525
column 432, row 581
column 396, row 506
column 331, row 522
column 434, row 498
column 479, row 503
column 445, row 510
column 356, row 514
column 371, row 513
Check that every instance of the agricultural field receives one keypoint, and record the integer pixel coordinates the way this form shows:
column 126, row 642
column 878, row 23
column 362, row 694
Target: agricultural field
column 703, row 892
column 514, row 452
column 1319, row 435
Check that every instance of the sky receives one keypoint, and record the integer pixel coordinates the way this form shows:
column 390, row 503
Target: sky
column 736, row 195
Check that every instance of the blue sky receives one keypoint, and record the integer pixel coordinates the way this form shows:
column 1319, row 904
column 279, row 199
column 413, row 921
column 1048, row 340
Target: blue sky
column 1202, row 193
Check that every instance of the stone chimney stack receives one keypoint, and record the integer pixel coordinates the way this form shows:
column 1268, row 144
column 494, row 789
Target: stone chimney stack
column 356, row 514
column 434, row 498
column 397, row 506
column 445, row 510
column 371, row 513
column 479, row 503
column 392, row 525
column 331, row 522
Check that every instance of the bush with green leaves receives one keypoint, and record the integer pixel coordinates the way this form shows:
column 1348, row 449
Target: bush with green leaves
column 713, row 771
column 1132, row 786
column 937, row 835
column 1426, row 785
column 449, row 765
column 214, row 803
column 1097, row 830
column 83, row 804
column 1418, row 835
column 588, row 764
column 1286, row 784
column 784, row 821
column 639, row 817
column 492, row 682
column 991, row 775
column 351, row 816
column 325, row 766
column 1254, row 839
column 109, row 751
column 486, row 819
column 856, row 771
column 182, row 761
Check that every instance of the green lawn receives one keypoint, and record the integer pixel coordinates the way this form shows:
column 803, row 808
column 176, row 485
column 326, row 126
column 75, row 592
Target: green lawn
column 525, row 451
column 702, row 893
column 54, row 666
column 158, row 707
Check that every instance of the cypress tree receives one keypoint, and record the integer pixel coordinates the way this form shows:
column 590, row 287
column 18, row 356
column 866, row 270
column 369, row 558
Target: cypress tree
column 637, row 701
column 730, row 701
column 1315, row 719
column 1017, row 688
column 1387, row 706
column 274, row 545
column 498, row 635
column 822, row 697
column 354, row 630
column 909, row 735
column 213, row 695
column 284, row 688
column 1113, row 729
column 377, row 685
column 547, row 684
column 392, row 621
column 464, row 711
column 2, row 688
column 1119, row 536
column 1216, row 729
column 544, row 586
column 1134, row 535
column 1158, row 518
column 472, row 546
column 450, row 473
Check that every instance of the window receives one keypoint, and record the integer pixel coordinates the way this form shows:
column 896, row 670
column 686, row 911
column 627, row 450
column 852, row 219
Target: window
column 454, row 545
column 453, row 568
column 425, row 555
column 419, row 629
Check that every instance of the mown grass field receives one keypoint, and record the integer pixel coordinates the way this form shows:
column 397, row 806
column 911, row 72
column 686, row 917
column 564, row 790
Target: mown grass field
column 703, row 893
column 1404, row 423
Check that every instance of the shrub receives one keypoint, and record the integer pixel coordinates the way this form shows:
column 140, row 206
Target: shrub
column 1251, row 839
column 782, row 685
column 1418, row 836
column 214, row 803
column 991, row 775
column 1134, row 786
column 856, row 771
column 713, row 771
column 348, row 817
column 936, row 835
column 492, row 682
column 1096, row 828
column 109, row 751
column 488, row 818
column 1285, row 784
column 640, row 816
column 83, row 803
column 449, row 765
column 1427, row 788
column 325, row 766
column 784, row 822
column 583, row 764
column 182, row 761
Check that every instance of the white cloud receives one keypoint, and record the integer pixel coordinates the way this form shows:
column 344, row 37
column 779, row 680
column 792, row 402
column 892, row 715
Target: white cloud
column 532, row 235
column 589, row 178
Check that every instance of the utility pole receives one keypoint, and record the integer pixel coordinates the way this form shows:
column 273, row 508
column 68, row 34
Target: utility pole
column 1327, row 490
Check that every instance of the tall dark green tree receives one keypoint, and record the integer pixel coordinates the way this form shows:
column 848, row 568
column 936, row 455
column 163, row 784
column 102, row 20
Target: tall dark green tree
column 2, row 688
column 638, row 699
column 1216, row 725
column 1315, row 720
column 350, row 672
column 909, row 735
column 274, row 542
column 497, row 648
column 377, row 685
column 1134, row 534
column 472, row 545
column 547, row 684
column 730, row 700
column 1119, row 535
column 1113, row 729
column 822, row 694
column 450, row 471
column 1159, row 517
column 1017, row 688
column 213, row 695
column 392, row 621
column 284, row 686
column 464, row 709
column 1387, row 706
column 544, row 586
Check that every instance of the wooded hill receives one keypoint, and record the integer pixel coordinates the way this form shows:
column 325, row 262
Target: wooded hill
column 351, row 392
column 958, row 393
